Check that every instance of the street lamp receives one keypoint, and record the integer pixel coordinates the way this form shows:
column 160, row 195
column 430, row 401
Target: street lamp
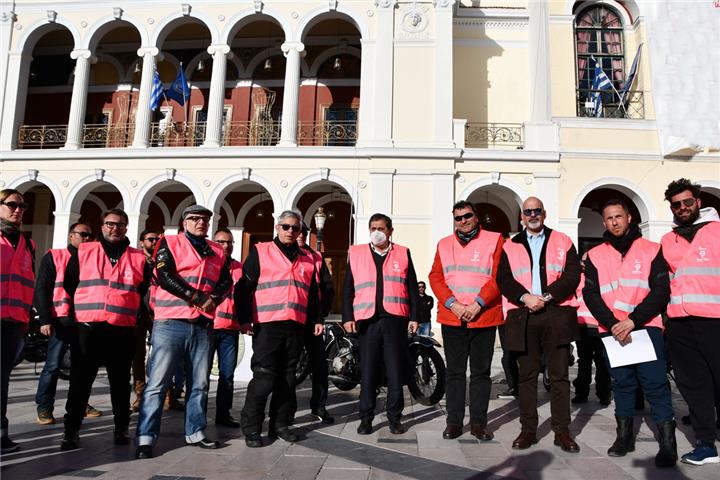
column 319, row 225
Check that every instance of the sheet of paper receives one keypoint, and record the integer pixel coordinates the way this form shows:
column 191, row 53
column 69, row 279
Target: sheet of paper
column 640, row 350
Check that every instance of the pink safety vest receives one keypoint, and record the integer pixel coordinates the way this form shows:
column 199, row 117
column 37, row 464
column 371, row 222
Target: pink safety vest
column 108, row 293
column 694, row 272
column 396, row 299
column 61, row 299
column 17, row 280
column 283, row 288
column 558, row 245
column 624, row 280
column 583, row 313
column 201, row 273
column 225, row 312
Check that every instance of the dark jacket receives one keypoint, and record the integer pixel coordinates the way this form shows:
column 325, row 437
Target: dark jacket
column 44, row 286
column 563, row 319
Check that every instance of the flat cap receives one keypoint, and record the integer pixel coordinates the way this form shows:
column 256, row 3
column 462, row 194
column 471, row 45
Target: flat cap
column 197, row 210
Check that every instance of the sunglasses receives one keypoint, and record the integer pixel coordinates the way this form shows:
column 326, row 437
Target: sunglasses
column 467, row 216
column 286, row 227
column 532, row 212
column 225, row 242
column 117, row 225
column 83, row 234
column 688, row 202
column 151, row 239
column 16, row 205
column 198, row 219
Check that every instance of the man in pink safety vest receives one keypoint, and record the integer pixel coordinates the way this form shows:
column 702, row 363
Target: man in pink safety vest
column 692, row 252
column 626, row 288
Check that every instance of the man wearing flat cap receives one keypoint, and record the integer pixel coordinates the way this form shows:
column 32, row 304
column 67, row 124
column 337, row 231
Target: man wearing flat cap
column 193, row 276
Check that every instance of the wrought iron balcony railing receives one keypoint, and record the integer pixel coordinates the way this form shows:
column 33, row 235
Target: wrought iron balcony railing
column 632, row 107
column 107, row 136
column 42, row 136
column 327, row 134
column 484, row 135
column 251, row 134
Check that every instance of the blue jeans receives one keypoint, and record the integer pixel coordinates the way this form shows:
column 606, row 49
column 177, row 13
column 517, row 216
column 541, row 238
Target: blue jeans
column 225, row 343
column 174, row 343
column 58, row 343
column 424, row 329
column 13, row 340
column 651, row 376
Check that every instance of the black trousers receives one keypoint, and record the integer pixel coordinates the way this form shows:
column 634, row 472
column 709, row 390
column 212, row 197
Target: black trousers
column 539, row 340
column 477, row 344
column 590, row 350
column 509, row 362
column 98, row 344
column 382, row 342
column 315, row 346
column 694, row 346
column 276, row 350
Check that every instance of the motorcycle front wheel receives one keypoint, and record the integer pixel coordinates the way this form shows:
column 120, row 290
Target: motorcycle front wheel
column 303, row 367
column 426, row 381
column 332, row 355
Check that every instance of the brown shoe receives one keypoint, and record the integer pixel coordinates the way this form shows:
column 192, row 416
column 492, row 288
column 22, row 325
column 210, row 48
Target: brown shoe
column 452, row 431
column 566, row 442
column 136, row 404
column 524, row 440
column 481, row 432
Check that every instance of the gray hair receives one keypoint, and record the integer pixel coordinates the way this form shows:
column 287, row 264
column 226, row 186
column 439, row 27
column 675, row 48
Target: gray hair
column 289, row 213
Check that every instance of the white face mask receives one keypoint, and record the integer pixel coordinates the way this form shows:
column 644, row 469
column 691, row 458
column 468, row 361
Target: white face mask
column 378, row 238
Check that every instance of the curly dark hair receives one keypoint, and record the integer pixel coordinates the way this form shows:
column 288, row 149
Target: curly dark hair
column 679, row 186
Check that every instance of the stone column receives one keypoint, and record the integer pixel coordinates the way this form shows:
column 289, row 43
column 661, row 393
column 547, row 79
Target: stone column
column 381, row 190
column 136, row 224
column 171, row 229
column 547, row 189
column 444, row 72
column 213, row 129
column 238, row 237
column 78, row 103
column 16, row 78
column 7, row 22
column 143, row 114
column 293, row 52
column 61, row 227
column 382, row 89
column 443, row 198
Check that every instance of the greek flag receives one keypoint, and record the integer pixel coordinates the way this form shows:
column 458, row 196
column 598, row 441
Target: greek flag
column 600, row 82
column 156, row 93
column 179, row 89
column 631, row 76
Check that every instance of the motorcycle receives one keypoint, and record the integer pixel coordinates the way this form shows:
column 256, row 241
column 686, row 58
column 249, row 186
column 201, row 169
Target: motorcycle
column 36, row 345
column 425, row 376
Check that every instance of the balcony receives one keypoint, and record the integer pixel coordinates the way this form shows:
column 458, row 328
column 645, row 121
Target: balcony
column 493, row 135
column 632, row 108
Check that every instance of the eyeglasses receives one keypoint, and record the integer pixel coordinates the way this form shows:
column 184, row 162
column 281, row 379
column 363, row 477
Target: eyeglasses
column 16, row 205
column 688, row 202
column 151, row 239
column 197, row 219
column 294, row 228
column 117, row 225
column 225, row 242
column 467, row 216
column 83, row 234
column 532, row 212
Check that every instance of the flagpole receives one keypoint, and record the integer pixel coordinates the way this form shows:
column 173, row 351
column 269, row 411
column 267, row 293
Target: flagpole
column 611, row 84
column 184, row 97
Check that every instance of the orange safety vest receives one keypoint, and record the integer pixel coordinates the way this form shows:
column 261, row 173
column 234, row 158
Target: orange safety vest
column 61, row 299
column 108, row 293
column 583, row 313
column 694, row 272
column 201, row 273
column 396, row 299
column 225, row 312
column 624, row 280
column 17, row 280
column 283, row 288
column 558, row 245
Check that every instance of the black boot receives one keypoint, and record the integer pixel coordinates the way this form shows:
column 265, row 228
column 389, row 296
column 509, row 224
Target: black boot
column 667, row 455
column 625, row 441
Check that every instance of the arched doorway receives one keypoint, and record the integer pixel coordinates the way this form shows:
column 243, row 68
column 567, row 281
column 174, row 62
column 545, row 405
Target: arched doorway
column 38, row 219
column 591, row 227
column 498, row 209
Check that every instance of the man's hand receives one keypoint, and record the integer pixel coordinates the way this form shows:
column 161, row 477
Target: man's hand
column 621, row 331
column 413, row 327
column 350, row 327
column 458, row 309
column 534, row 302
column 207, row 306
column 246, row 328
column 471, row 311
column 46, row 330
column 319, row 329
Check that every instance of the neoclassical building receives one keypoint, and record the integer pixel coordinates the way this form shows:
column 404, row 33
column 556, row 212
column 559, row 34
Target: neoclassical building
column 356, row 106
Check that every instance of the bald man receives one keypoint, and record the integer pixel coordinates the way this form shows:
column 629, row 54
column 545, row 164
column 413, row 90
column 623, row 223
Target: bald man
column 538, row 274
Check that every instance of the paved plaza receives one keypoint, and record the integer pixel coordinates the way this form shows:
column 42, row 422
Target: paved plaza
column 337, row 452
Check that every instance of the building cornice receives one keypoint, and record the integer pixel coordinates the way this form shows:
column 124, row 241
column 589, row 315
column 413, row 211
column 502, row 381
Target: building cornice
column 605, row 123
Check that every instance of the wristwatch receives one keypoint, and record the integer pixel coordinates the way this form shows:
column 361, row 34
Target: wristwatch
column 547, row 297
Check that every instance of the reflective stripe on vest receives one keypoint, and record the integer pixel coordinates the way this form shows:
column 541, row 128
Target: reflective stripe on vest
column 17, row 280
column 583, row 312
column 61, row 299
column 624, row 279
column 286, row 285
column 467, row 268
column 201, row 273
column 694, row 272
column 396, row 299
column 558, row 245
column 108, row 293
column 225, row 312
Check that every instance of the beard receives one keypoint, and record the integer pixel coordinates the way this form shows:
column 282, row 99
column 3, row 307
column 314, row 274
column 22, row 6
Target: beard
column 694, row 215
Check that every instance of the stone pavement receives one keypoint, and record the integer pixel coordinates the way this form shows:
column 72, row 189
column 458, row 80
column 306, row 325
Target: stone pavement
column 336, row 452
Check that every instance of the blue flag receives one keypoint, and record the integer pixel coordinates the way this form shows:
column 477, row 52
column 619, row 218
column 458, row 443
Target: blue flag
column 179, row 89
column 156, row 93
column 600, row 82
column 631, row 76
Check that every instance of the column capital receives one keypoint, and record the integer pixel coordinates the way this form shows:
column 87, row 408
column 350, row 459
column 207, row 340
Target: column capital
column 287, row 46
column 8, row 16
column 385, row 4
column 443, row 3
column 86, row 54
column 218, row 48
column 142, row 51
